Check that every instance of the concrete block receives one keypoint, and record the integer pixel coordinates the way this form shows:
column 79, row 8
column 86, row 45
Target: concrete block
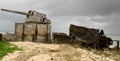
column 12, row 37
column 18, row 38
column 29, row 28
column 41, row 38
column 49, row 29
column 28, row 38
column 8, row 37
column 42, row 29
column 19, row 28
column 61, row 38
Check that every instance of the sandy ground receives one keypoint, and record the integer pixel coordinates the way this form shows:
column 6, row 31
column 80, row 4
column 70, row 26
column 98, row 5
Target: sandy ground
column 52, row 52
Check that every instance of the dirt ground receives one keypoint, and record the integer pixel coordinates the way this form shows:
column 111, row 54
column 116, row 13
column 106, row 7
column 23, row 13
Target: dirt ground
column 52, row 52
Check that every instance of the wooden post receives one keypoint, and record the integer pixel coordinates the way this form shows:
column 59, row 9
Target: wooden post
column 117, row 45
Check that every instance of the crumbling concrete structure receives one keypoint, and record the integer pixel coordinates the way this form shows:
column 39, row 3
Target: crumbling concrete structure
column 61, row 38
column 36, row 28
column 86, row 37
column 89, row 37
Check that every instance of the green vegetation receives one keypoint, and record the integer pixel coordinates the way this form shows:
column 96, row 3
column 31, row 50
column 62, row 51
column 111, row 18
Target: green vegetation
column 6, row 47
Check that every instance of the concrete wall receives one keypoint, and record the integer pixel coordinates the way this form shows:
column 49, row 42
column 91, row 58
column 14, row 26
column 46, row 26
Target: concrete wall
column 41, row 38
column 61, row 38
column 12, row 37
column 36, row 28
column 18, row 38
column 33, row 31
column 19, row 28
column 29, row 28
column 84, row 33
column 49, row 33
column 42, row 29
column 29, row 38
column 80, row 31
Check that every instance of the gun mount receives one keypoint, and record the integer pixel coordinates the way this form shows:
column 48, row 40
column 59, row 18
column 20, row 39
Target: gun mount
column 31, row 16
column 36, row 28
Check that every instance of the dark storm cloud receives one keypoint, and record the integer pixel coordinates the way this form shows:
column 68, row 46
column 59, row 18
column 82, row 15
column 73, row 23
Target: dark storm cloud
column 101, row 14
column 79, row 7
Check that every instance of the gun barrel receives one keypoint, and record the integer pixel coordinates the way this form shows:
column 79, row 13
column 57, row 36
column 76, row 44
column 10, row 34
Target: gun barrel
column 13, row 11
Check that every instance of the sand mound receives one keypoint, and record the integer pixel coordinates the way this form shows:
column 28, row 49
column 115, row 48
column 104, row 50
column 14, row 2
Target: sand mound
column 52, row 52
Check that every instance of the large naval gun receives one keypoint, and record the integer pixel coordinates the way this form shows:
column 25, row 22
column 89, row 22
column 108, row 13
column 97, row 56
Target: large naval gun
column 36, row 28
column 31, row 16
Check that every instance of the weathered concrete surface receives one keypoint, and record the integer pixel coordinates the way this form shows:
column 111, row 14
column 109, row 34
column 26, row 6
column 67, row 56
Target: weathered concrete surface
column 89, row 37
column 49, row 33
column 19, row 28
column 35, row 17
column 61, row 38
column 29, row 38
column 29, row 28
column 80, row 31
column 41, row 38
column 12, row 37
column 47, row 21
column 18, row 38
column 8, row 37
column 42, row 29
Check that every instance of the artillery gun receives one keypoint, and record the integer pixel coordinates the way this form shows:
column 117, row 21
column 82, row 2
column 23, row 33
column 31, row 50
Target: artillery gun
column 31, row 16
column 36, row 28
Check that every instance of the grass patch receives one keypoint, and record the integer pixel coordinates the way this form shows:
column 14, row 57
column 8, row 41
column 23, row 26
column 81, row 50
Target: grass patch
column 6, row 47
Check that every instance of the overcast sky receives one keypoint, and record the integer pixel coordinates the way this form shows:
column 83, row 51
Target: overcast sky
column 99, row 14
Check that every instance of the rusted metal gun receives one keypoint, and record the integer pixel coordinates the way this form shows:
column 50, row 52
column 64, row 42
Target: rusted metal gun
column 13, row 11
column 32, row 16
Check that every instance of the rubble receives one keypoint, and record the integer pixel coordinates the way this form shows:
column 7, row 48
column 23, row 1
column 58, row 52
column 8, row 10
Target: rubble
column 61, row 38
column 90, row 37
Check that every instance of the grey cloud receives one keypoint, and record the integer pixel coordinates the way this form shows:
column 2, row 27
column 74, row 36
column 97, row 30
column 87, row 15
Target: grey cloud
column 12, row 17
column 7, row 26
column 103, row 14
column 79, row 7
